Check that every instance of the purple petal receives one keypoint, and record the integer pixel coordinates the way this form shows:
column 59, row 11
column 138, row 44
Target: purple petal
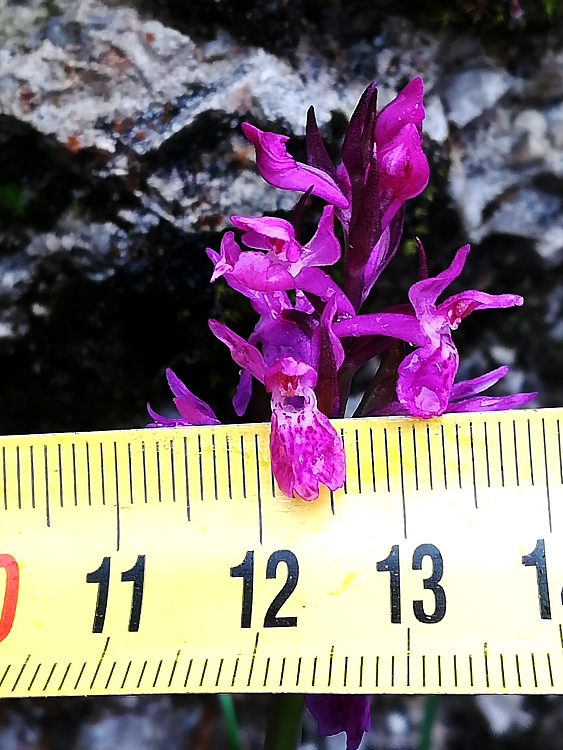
column 403, row 166
column 423, row 294
column 323, row 249
column 190, row 406
column 358, row 141
column 305, row 450
column 243, row 353
column 341, row 713
column 282, row 171
column 426, row 377
column 230, row 252
column 382, row 252
column 243, row 393
column 468, row 388
column 407, row 107
column 260, row 231
column 396, row 325
column 160, row 421
column 455, row 308
column 260, row 272
column 492, row 403
column 317, row 282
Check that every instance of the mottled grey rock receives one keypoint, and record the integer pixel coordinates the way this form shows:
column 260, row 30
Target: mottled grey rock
column 472, row 92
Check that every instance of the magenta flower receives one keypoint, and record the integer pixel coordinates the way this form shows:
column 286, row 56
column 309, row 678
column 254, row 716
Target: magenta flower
column 193, row 411
column 341, row 713
column 305, row 448
column 285, row 258
column 282, row 171
column 464, row 398
column 426, row 376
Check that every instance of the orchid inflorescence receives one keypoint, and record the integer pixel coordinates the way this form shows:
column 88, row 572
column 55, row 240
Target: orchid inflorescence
column 311, row 336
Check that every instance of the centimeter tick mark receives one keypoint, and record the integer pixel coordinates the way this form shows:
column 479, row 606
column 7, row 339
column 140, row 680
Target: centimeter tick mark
column 530, row 452
column 243, row 467
column 130, row 473
column 487, row 462
column 110, row 675
column 386, row 459
column 74, row 481
column 444, row 463
column 486, row 660
column 458, row 454
column 157, row 673
column 189, row 669
column 47, row 502
column 401, row 472
column 126, row 675
column 48, row 680
column 429, row 447
column 37, row 668
column 516, row 467
column 4, row 476
column 174, row 667
column 415, row 457
column 60, row 474
column 100, row 663
column 473, row 464
column 142, row 674
column 358, row 461
column 500, row 453
column 518, row 670
column 79, row 676
column 117, row 502
column 187, row 473
column 200, row 464
column 88, row 479
column 203, row 671
column 408, row 657
column 258, row 489
column 172, row 468
column 251, row 670
column 32, row 475
column 62, row 682
column 219, row 670
column 214, row 459
column 546, row 474
column 550, row 670
column 229, row 478
column 534, row 670
column 559, row 451
column 102, row 474
column 18, row 475
column 372, row 458
column 158, row 474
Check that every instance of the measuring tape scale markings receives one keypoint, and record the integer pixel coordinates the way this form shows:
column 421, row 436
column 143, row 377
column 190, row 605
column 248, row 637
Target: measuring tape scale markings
column 166, row 561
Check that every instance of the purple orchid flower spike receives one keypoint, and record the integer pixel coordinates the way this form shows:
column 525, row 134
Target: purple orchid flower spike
column 282, row 171
column 341, row 713
column 426, row 376
column 193, row 411
column 305, row 448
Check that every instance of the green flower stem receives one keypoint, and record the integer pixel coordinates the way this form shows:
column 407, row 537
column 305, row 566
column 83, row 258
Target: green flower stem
column 428, row 717
column 231, row 725
column 283, row 731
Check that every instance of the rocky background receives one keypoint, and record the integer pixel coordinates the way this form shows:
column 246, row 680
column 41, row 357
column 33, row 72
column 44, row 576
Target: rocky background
column 121, row 159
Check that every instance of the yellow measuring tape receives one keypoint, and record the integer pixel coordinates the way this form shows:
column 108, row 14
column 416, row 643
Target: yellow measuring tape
column 159, row 561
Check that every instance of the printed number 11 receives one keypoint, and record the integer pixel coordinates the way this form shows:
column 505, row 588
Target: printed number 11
column 136, row 575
